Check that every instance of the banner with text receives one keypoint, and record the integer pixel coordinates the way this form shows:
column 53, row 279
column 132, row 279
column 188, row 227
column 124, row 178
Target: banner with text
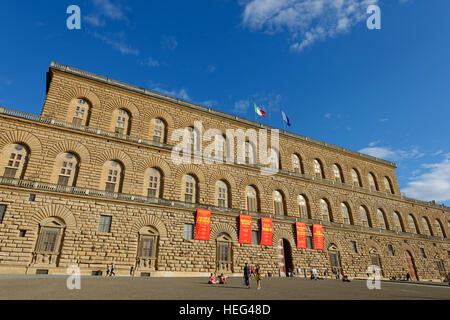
column 318, row 236
column 203, row 225
column 245, row 229
column 301, row 235
column 266, row 231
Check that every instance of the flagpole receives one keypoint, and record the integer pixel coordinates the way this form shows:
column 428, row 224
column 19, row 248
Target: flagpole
column 254, row 111
column 268, row 113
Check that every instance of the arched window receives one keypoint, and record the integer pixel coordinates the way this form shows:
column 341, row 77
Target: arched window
column 297, row 164
column 67, row 169
column 426, row 226
column 154, row 183
column 148, row 249
column 338, row 173
column 318, row 170
column 412, row 224
column 345, row 213
column 113, row 176
column 252, row 199
column 381, row 219
column 278, row 201
column 388, row 185
column 250, row 157
column 80, row 109
column 48, row 245
column 325, row 210
column 14, row 161
column 398, row 222
column 224, row 260
column 190, row 189
column 222, row 194
column 303, row 207
column 439, row 228
column 365, row 217
column 159, row 130
column 355, row 178
column 121, row 119
column 372, row 182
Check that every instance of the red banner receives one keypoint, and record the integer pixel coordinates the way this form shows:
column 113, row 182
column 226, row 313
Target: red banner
column 266, row 231
column 318, row 236
column 203, row 225
column 245, row 229
column 301, row 235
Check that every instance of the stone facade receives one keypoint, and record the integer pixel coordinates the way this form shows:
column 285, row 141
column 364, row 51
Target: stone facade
column 54, row 218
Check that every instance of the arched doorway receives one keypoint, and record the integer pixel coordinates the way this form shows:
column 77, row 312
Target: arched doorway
column 411, row 265
column 224, row 260
column 147, row 254
column 335, row 259
column 285, row 257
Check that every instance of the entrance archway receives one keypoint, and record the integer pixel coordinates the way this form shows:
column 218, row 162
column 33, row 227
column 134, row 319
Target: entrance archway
column 285, row 257
column 224, row 253
column 411, row 265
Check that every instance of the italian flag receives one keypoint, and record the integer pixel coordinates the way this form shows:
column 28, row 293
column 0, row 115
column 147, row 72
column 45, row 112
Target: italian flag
column 260, row 112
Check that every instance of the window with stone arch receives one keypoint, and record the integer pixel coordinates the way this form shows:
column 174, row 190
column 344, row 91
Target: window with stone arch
column 338, row 176
column 318, row 169
column 14, row 160
column 278, row 203
column 382, row 219
column 80, row 109
column 398, row 222
column 356, row 178
column 159, row 128
column 303, row 207
column 190, row 192
column 113, row 172
column 222, row 194
column 147, row 254
column 388, row 185
column 297, row 164
column 412, row 224
column 325, row 210
column 250, row 155
column 252, row 197
column 372, row 182
column 345, row 210
column 365, row 219
column 426, row 226
column 49, row 242
column 154, row 182
column 439, row 228
column 121, row 121
column 67, row 165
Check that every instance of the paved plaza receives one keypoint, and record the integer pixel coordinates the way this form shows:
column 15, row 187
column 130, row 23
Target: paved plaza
column 125, row 288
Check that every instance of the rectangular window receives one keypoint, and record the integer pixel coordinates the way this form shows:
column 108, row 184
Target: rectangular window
column 110, row 187
column 334, row 260
column 105, row 224
column 188, row 231
column 146, row 247
column 77, row 122
column 422, row 252
column 375, row 260
column 222, row 203
column 310, row 242
column 440, row 266
column 353, row 245
column 22, row 233
column 251, row 203
column 10, row 173
column 47, row 240
column 255, row 237
column 188, row 198
column 63, row 180
column 151, row 193
column 2, row 212
column 391, row 250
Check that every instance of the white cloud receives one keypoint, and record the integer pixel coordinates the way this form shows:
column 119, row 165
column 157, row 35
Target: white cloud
column 306, row 20
column 384, row 119
column 433, row 185
column 241, row 106
column 106, row 9
column 94, row 20
column 118, row 43
column 208, row 103
column 150, row 62
column 180, row 94
column 389, row 154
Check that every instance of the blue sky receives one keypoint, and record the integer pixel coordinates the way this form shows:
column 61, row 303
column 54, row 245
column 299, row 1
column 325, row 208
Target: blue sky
column 382, row 92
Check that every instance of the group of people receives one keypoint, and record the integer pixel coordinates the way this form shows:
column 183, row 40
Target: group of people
column 252, row 272
column 110, row 272
column 213, row 280
column 400, row 277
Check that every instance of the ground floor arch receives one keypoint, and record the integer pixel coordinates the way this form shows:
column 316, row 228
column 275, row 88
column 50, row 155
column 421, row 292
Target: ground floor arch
column 285, row 262
column 411, row 265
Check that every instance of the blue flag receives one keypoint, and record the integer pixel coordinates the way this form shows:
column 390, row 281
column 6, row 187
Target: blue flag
column 285, row 118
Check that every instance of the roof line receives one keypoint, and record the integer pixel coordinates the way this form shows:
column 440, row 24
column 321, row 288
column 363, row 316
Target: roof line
column 198, row 107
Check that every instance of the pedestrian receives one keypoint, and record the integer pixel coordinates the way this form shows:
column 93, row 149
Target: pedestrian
column 107, row 270
column 258, row 277
column 252, row 271
column 325, row 273
column 312, row 273
column 315, row 273
column 247, row 275
column 132, row 271
column 299, row 271
column 112, row 270
column 408, row 277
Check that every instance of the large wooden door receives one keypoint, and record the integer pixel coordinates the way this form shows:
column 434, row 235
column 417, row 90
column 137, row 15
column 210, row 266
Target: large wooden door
column 411, row 266
column 281, row 259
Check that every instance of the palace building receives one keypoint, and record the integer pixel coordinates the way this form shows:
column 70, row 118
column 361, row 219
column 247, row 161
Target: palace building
column 91, row 182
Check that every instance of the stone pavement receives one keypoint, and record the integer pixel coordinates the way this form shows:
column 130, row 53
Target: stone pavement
column 124, row 288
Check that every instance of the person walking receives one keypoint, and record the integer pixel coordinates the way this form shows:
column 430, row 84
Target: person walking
column 252, row 271
column 112, row 270
column 408, row 277
column 107, row 270
column 132, row 271
column 325, row 273
column 258, row 276
column 247, row 275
